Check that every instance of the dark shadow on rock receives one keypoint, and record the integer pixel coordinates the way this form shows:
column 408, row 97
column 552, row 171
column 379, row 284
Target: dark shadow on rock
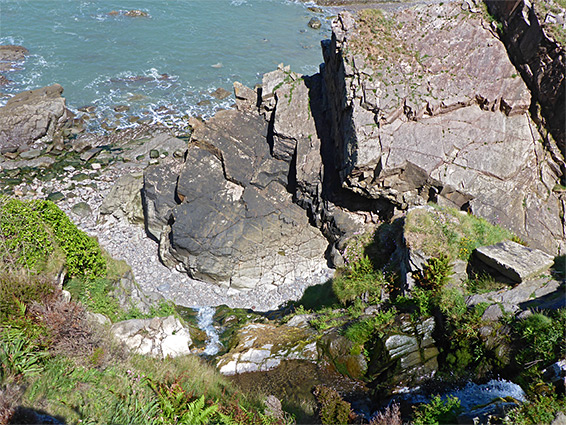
column 318, row 296
column 553, row 301
column 558, row 269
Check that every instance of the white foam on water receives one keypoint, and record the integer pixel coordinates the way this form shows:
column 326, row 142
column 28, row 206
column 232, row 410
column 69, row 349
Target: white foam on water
column 205, row 317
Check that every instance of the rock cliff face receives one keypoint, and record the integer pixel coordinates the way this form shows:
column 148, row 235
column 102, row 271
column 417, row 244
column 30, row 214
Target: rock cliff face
column 426, row 106
column 540, row 58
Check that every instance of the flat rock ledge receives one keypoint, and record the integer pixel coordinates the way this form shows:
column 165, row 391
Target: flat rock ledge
column 515, row 261
column 159, row 337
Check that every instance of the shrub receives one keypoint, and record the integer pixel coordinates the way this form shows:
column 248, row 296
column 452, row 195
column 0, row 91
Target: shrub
column 390, row 416
column 435, row 274
column 437, row 411
column 83, row 254
column 31, row 231
column 360, row 332
column 18, row 354
column 24, row 239
column 20, row 287
column 541, row 410
column 440, row 231
column 543, row 338
column 332, row 409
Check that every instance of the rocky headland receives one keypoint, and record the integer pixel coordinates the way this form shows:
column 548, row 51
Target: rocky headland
column 424, row 162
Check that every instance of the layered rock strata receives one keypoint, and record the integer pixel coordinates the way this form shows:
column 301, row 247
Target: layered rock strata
column 426, row 107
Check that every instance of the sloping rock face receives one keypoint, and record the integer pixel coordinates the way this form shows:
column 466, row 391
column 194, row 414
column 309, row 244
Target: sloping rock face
column 233, row 223
column 426, row 106
column 540, row 58
column 31, row 115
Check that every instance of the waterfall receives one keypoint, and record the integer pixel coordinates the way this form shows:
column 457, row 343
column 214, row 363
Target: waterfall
column 204, row 320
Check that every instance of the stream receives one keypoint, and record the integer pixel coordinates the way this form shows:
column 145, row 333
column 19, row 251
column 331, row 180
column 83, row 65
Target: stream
column 205, row 317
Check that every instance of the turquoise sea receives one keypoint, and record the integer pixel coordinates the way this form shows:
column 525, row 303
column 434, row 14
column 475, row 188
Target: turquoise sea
column 165, row 64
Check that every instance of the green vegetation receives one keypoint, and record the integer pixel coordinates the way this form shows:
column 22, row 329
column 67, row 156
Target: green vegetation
column 437, row 411
column 38, row 236
column 440, row 231
column 54, row 360
column 541, row 410
column 332, row 409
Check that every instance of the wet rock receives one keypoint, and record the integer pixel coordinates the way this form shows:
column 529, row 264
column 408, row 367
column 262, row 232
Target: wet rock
column 31, row 115
column 338, row 350
column 158, row 337
column 315, row 23
column 515, row 261
column 11, row 53
column 124, row 199
column 220, row 93
column 262, row 347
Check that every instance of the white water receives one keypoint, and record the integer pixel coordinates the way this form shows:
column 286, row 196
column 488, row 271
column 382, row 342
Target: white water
column 204, row 320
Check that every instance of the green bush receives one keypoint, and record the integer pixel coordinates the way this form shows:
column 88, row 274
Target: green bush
column 437, row 411
column 83, row 254
column 24, row 238
column 360, row 332
column 31, row 231
column 19, row 288
column 541, row 410
column 435, row 274
column 19, row 355
column 332, row 409
column 543, row 338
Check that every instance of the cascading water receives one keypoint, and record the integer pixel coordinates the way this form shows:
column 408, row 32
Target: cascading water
column 204, row 320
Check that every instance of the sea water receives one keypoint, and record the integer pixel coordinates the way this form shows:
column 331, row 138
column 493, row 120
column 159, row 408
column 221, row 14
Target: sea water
column 165, row 64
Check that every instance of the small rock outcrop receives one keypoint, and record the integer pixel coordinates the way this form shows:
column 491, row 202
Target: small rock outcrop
column 263, row 347
column 31, row 115
column 158, row 337
column 514, row 261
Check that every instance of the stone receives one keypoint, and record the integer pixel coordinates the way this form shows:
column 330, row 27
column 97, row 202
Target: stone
column 515, row 261
column 11, row 53
column 31, row 153
column 315, row 23
column 262, row 347
column 162, row 143
column 55, row 196
column 31, row 115
column 236, row 224
column 98, row 318
column 246, row 98
column 559, row 419
column 129, row 295
column 81, row 209
column 124, row 199
column 159, row 337
column 158, row 196
column 220, row 93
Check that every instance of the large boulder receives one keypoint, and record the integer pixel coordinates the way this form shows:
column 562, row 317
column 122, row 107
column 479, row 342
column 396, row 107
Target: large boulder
column 235, row 223
column 262, row 347
column 158, row 337
column 31, row 115
column 426, row 106
column 515, row 261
